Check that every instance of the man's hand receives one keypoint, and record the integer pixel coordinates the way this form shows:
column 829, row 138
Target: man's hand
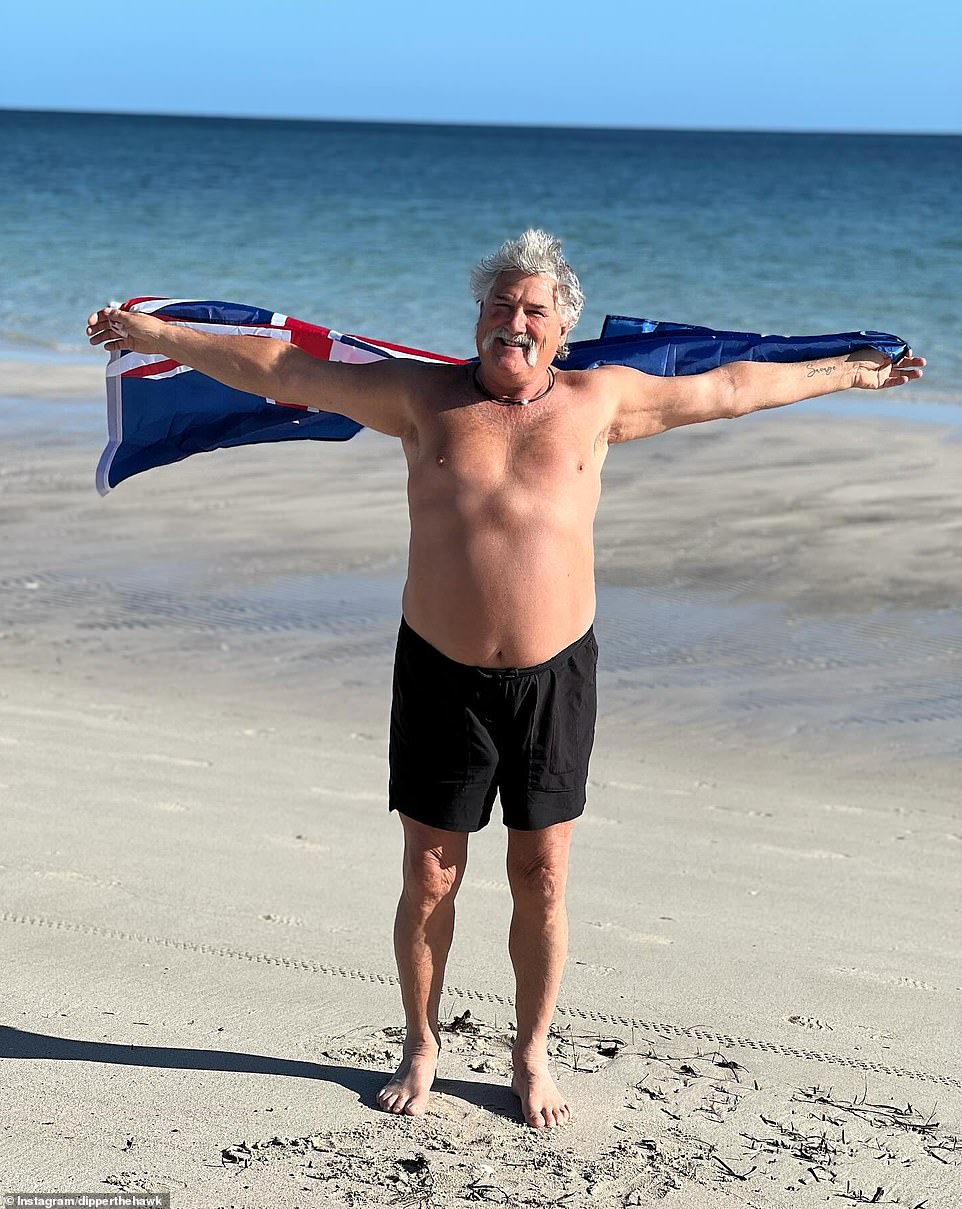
column 647, row 405
column 116, row 329
column 875, row 371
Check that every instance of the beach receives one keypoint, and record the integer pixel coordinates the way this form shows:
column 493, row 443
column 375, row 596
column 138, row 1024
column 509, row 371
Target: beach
column 199, row 872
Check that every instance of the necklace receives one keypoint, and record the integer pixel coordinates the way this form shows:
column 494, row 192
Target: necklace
column 501, row 400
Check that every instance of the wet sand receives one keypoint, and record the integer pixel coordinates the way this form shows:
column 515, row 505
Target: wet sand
column 199, row 872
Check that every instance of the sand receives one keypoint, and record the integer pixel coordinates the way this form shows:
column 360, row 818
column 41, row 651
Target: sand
column 199, row 873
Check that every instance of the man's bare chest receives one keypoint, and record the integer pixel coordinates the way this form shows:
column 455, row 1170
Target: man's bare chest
column 489, row 441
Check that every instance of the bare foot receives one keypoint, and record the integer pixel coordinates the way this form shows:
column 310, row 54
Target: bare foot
column 409, row 1088
column 543, row 1105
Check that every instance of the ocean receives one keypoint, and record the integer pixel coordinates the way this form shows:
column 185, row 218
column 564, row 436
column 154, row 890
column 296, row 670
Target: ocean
column 820, row 611
column 372, row 228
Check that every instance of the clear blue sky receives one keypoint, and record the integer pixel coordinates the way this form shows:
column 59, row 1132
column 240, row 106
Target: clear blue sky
column 807, row 65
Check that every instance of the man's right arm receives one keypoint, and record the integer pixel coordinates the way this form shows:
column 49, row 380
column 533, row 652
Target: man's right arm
column 376, row 395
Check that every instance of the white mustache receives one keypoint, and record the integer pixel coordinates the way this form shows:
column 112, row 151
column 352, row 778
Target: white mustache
column 515, row 339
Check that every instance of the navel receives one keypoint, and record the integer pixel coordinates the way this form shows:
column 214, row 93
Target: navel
column 581, row 465
column 440, row 460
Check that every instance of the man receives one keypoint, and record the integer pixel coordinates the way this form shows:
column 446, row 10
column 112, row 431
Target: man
column 494, row 677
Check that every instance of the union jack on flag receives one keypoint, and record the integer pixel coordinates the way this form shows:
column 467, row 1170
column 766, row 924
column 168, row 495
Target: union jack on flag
column 159, row 411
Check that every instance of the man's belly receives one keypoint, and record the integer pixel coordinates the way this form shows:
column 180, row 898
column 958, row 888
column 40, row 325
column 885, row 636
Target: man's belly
column 499, row 597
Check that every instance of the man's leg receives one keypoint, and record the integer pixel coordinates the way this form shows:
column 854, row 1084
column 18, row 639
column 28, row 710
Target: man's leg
column 434, row 862
column 538, row 944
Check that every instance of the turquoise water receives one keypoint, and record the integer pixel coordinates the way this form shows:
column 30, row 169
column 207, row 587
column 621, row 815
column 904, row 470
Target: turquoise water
column 373, row 228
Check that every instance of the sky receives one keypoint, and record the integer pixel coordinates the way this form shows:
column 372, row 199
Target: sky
column 846, row 65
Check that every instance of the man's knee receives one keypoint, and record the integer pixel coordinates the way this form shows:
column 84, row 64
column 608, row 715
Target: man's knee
column 430, row 879
column 539, row 880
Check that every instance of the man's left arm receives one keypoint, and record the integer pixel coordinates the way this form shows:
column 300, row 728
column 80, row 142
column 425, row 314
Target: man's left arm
column 647, row 405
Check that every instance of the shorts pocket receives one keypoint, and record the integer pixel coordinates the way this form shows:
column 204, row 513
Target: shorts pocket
column 564, row 727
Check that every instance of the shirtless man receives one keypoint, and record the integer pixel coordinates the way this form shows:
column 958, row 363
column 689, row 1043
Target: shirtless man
column 494, row 677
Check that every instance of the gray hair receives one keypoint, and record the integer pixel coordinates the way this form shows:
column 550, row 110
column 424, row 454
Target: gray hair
column 538, row 254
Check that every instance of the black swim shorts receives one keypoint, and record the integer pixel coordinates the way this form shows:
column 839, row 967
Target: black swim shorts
column 462, row 734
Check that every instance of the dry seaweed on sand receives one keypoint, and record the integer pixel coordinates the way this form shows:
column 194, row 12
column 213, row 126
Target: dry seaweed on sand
column 738, row 1175
column 877, row 1115
column 813, row 1150
column 461, row 1024
column 414, row 1183
column 842, row 1130
column 945, row 1149
column 479, row 1191
column 861, row 1197
column 584, row 1052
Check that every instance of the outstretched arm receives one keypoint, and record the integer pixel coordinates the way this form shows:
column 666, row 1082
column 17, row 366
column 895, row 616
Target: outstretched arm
column 376, row 395
column 647, row 404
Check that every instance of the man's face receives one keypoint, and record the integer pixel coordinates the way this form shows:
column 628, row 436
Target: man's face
column 519, row 328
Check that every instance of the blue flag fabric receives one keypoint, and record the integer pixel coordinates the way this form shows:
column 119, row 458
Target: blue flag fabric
column 159, row 411
column 670, row 349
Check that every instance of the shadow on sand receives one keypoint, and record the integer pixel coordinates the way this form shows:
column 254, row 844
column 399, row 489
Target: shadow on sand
column 16, row 1043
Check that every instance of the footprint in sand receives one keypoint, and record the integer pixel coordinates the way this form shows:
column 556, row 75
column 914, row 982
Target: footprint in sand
column 289, row 921
column 748, row 814
column 889, row 980
column 72, row 875
column 811, row 1022
column 595, row 970
column 875, row 1034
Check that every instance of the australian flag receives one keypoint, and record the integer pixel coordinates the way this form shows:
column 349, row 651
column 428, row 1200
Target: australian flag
column 159, row 411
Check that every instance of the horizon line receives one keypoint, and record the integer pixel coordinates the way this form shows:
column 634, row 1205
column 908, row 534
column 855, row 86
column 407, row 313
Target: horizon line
column 481, row 125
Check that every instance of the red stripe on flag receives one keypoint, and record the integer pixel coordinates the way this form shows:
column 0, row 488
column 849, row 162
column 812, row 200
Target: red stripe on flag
column 147, row 371
column 312, row 339
column 402, row 348
column 296, row 406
